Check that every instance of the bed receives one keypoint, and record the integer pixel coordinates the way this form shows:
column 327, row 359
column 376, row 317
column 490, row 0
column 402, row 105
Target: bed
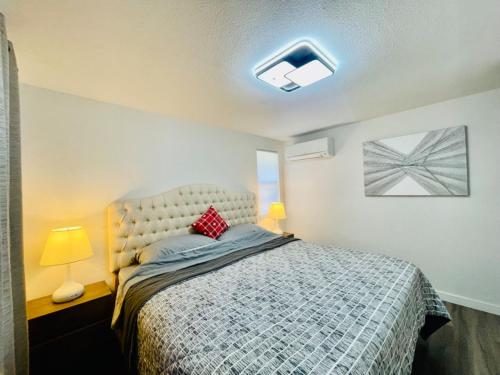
column 258, row 303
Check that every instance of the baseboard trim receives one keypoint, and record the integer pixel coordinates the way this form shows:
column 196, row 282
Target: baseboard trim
column 470, row 302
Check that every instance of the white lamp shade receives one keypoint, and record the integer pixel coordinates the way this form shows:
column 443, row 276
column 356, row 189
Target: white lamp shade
column 277, row 211
column 66, row 245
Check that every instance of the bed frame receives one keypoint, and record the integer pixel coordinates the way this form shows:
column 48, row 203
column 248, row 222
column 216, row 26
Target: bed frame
column 135, row 223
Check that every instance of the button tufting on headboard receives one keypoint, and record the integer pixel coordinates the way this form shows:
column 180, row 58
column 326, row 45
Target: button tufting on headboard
column 135, row 223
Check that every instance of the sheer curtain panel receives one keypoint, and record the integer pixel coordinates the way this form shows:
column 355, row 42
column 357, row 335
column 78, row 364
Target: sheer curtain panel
column 13, row 327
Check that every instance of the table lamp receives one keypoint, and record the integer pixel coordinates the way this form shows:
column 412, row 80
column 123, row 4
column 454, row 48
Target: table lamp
column 277, row 213
column 64, row 246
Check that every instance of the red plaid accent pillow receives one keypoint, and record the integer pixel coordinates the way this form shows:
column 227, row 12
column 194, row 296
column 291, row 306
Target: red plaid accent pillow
column 210, row 224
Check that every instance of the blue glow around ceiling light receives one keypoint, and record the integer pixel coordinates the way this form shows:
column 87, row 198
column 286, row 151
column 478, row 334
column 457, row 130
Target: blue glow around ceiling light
column 293, row 57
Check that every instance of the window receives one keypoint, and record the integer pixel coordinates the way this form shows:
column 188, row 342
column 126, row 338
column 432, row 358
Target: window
column 268, row 179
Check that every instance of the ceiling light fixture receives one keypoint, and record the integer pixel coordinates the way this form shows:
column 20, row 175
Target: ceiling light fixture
column 275, row 75
column 297, row 66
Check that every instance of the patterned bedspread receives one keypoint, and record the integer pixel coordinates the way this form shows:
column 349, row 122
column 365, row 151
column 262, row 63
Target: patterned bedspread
column 297, row 309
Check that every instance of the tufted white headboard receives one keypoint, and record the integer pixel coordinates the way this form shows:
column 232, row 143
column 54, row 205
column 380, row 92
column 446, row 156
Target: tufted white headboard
column 135, row 223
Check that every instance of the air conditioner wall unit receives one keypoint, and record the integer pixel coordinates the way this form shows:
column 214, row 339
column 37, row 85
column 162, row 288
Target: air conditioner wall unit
column 318, row 148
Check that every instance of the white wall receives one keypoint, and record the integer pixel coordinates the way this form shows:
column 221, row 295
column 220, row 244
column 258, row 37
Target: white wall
column 79, row 155
column 455, row 241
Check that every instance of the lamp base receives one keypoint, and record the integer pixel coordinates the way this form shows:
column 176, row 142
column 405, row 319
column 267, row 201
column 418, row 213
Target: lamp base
column 277, row 228
column 68, row 291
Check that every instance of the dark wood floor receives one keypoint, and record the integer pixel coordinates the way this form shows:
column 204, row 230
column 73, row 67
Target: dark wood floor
column 469, row 345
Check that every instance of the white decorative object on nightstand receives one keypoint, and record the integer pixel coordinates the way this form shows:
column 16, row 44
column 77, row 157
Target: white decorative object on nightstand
column 277, row 213
column 64, row 246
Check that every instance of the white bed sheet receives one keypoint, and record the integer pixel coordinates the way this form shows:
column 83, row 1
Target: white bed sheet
column 125, row 272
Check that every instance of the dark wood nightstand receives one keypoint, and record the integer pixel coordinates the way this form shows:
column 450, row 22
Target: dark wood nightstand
column 74, row 337
column 288, row 235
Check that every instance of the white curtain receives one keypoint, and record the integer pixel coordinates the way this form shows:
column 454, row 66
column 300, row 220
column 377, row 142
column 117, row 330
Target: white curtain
column 13, row 326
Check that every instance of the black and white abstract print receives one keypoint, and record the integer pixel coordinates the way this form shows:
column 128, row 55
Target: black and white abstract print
column 431, row 163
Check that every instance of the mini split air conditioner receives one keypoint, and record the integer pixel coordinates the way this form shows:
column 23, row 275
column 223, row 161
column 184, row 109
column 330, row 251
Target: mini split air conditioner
column 318, row 148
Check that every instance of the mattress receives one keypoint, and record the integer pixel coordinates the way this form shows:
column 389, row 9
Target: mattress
column 294, row 307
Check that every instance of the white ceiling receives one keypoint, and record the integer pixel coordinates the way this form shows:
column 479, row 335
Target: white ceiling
column 193, row 60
